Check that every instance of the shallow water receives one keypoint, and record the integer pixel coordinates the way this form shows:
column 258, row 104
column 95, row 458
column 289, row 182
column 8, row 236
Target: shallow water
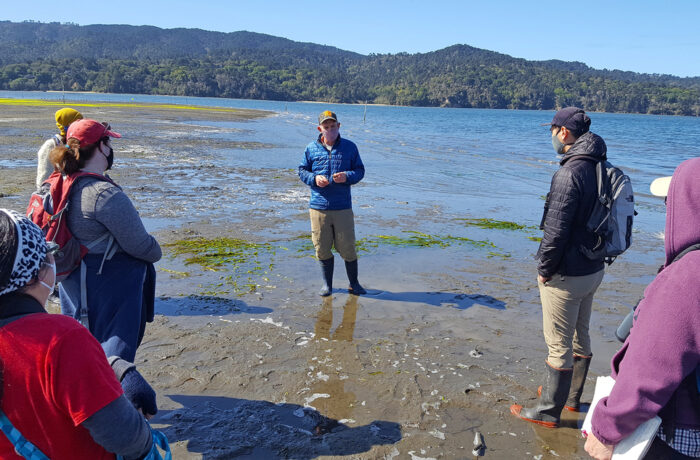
column 449, row 335
column 465, row 162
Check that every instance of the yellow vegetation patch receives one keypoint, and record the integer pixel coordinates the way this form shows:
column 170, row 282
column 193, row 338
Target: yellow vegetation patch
column 133, row 105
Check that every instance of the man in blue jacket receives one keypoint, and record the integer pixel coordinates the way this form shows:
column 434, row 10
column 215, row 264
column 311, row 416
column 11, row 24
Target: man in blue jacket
column 566, row 277
column 330, row 166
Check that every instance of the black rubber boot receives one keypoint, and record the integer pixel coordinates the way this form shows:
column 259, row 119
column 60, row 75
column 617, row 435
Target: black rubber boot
column 578, row 380
column 555, row 390
column 355, row 287
column 327, row 270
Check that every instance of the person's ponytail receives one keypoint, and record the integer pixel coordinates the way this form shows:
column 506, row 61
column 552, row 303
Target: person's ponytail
column 69, row 158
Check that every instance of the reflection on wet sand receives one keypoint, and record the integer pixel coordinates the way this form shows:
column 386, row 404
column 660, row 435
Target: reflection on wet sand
column 333, row 401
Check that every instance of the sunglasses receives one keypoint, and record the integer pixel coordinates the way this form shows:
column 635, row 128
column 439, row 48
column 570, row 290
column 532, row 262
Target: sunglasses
column 52, row 247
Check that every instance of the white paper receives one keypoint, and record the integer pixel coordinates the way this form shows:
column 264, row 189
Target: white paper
column 635, row 445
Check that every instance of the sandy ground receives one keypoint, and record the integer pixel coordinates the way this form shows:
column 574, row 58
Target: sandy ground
column 444, row 343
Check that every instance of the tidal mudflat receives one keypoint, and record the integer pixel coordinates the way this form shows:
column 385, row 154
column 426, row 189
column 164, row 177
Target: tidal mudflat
column 249, row 362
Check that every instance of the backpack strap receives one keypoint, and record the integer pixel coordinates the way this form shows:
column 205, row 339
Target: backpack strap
column 23, row 447
column 108, row 254
column 601, row 182
column 84, row 320
column 159, row 440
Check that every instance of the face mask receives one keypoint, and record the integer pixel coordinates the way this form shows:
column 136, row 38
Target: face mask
column 557, row 144
column 110, row 156
column 53, row 269
column 329, row 136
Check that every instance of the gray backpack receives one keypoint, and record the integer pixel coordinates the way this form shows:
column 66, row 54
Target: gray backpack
column 613, row 214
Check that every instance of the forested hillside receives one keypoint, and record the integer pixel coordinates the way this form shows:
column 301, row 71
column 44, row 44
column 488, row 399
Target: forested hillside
column 193, row 62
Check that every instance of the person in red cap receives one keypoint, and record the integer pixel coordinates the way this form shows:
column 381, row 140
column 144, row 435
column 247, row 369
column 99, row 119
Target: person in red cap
column 112, row 292
column 566, row 277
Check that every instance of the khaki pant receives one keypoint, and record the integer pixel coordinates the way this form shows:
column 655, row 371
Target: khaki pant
column 333, row 229
column 566, row 314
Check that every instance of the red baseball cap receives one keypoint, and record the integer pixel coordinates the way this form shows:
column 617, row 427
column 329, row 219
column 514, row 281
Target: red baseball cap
column 89, row 131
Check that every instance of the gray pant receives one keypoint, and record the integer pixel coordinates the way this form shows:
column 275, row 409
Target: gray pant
column 566, row 314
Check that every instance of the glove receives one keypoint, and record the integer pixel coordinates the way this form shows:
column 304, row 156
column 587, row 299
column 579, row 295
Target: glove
column 139, row 392
column 135, row 387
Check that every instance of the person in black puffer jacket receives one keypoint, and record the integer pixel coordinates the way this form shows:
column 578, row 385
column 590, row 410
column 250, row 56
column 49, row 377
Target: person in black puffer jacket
column 567, row 279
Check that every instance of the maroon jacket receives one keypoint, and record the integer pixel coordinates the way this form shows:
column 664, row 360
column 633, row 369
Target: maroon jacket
column 663, row 350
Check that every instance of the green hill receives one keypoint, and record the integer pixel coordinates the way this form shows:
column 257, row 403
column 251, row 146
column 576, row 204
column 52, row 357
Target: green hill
column 194, row 62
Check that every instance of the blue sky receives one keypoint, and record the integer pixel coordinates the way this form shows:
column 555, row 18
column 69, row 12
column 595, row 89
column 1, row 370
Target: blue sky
column 642, row 36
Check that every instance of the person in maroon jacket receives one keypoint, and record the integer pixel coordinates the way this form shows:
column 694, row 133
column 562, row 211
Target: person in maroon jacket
column 656, row 370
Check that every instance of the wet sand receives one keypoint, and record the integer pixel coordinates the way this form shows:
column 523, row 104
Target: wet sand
column 249, row 362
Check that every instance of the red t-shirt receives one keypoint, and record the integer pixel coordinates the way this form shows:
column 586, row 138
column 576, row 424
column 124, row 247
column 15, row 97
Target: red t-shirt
column 55, row 376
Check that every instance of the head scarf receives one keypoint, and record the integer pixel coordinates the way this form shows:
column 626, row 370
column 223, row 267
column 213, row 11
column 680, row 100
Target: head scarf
column 31, row 252
column 65, row 117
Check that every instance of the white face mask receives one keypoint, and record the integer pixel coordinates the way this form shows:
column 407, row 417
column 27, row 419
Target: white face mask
column 50, row 288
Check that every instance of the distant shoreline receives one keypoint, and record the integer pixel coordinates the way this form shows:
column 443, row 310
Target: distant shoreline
column 187, row 106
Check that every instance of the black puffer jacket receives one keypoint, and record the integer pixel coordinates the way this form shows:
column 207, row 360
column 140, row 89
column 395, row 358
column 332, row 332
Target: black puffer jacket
column 569, row 204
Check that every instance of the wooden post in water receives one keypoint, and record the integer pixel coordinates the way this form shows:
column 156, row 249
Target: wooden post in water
column 364, row 116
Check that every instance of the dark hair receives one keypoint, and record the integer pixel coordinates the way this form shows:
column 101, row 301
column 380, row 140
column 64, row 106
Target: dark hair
column 72, row 157
column 8, row 247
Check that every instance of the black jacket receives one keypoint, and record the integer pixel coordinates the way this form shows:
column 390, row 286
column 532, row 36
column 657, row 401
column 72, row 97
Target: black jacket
column 569, row 204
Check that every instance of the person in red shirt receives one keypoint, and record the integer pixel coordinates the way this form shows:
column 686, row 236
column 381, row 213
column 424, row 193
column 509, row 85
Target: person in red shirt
column 56, row 386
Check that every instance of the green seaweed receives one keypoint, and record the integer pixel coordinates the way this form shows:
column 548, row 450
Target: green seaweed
column 212, row 254
column 535, row 238
column 495, row 224
column 175, row 273
column 240, row 258
column 420, row 239
column 409, row 238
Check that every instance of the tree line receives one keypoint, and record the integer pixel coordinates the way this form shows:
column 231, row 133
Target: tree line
column 256, row 66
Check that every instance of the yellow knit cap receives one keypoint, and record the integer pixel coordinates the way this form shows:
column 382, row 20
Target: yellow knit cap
column 65, row 117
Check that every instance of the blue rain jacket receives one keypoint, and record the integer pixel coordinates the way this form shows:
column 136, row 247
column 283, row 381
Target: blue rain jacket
column 344, row 157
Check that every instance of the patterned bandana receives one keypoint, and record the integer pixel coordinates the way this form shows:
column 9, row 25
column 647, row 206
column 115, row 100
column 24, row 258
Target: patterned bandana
column 31, row 252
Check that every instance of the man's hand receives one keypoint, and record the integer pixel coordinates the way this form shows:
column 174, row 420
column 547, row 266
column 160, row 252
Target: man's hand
column 597, row 449
column 543, row 279
column 340, row 177
column 321, row 180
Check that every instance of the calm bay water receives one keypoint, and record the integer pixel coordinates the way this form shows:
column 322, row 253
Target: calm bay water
column 462, row 162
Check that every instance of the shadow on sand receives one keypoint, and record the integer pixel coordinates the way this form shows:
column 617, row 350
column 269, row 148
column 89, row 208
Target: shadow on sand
column 441, row 299
column 222, row 428
column 205, row 305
